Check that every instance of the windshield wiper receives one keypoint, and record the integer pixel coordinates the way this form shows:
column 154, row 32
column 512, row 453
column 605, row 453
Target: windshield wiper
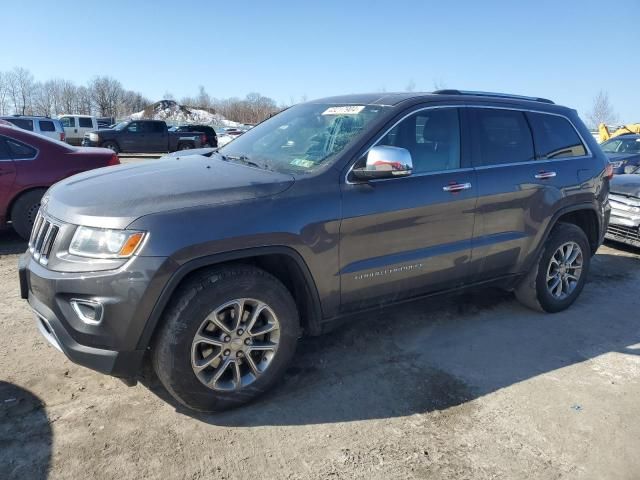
column 242, row 159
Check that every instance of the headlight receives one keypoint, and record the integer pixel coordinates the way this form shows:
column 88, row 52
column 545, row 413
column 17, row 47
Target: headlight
column 105, row 243
column 94, row 137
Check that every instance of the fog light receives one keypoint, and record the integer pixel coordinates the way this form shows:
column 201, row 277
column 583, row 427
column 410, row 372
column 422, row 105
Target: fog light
column 87, row 310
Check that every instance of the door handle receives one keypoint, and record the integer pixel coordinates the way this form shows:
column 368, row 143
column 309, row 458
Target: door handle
column 456, row 187
column 544, row 175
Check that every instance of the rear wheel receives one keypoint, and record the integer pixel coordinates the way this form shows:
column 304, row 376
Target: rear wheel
column 227, row 337
column 557, row 279
column 185, row 146
column 111, row 146
column 24, row 212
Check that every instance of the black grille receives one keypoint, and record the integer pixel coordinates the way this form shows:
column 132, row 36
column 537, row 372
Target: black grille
column 43, row 237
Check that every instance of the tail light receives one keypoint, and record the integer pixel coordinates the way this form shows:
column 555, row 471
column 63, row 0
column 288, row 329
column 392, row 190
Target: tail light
column 609, row 171
column 114, row 160
column 63, row 136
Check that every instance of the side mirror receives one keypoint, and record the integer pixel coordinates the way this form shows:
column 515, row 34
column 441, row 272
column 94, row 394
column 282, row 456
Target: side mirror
column 385, row 162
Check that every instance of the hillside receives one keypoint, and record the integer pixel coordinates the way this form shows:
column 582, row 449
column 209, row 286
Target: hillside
column 173, row 113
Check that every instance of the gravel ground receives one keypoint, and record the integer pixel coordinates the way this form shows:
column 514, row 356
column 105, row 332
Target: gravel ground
column 472, row 386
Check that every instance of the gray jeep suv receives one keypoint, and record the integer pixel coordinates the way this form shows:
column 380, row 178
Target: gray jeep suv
column 210, row 267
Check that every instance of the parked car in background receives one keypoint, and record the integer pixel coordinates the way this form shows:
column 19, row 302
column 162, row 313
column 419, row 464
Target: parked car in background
column 330, row 208
column 75, row 126
column 106, row 122
column 31, row 163
column 623, row 151
column 142, row 136
column 625, row 208
column 49, row 127
column 210, row 138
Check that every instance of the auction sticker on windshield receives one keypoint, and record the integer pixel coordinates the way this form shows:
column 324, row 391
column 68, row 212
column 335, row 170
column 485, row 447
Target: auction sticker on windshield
column 344, row 110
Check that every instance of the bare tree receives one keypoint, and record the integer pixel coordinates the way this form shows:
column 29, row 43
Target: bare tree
column 44, row 99
column 4, row 94
column 601, row 111
column 83, row 100
column 106, row 93
column 20, row 87
column 67, row 93
column 411, row 86
column 439, row 84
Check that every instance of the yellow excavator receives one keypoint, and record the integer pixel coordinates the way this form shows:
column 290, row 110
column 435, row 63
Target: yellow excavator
column 603, row 130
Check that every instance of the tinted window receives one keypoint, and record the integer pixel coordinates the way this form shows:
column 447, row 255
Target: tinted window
column 431, row 136
column 68, row 122
column 134, row 127
column 22, row 123
column 84, row 122
column 47, row 126
column 20, row 151
column 4, row 151
column 501, row 136
column 555, row 137
column 156, row 127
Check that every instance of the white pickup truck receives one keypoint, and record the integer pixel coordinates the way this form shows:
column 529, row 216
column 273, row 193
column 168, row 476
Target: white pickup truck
column 75, row 126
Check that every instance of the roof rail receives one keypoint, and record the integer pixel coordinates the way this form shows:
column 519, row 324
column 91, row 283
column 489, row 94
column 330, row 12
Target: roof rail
column 491, row 94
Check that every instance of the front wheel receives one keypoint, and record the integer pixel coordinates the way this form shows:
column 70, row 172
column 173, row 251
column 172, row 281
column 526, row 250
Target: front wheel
column 24, row 212
column 228, row 336
column 557, row 279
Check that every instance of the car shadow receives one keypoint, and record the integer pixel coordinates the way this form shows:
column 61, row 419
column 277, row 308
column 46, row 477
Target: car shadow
column 442, row 352
column 11, row 243
column 26, row 444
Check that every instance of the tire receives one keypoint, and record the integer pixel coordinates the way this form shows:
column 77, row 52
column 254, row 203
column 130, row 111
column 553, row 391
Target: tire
column 176, row 353
column 111, row 146
column 185, row 146
column 24, row 211
column 536, row 292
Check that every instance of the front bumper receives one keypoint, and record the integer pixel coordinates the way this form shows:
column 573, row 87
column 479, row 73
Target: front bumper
column 624, row 225
column 128, row 295
column 88, row 143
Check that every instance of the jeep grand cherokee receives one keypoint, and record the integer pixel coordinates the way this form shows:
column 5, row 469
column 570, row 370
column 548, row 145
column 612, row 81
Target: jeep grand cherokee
column 210, row 267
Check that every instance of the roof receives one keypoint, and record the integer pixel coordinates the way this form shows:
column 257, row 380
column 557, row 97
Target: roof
column 391, row 99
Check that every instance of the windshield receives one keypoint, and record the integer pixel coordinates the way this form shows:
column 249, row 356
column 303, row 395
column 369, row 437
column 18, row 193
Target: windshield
column 622, row 145
column 302, row 137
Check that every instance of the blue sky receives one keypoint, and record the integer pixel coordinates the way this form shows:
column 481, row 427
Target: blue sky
column 564, row 50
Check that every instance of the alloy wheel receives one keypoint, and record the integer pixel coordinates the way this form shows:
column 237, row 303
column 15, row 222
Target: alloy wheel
column 235, row 344
column 564, row 270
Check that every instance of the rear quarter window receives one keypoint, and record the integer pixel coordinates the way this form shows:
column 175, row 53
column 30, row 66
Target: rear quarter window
column 555, row 137
column 20, row 151
column 46, row 126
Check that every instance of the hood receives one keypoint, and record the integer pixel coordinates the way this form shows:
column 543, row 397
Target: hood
column 113, row 197
column 628, row 184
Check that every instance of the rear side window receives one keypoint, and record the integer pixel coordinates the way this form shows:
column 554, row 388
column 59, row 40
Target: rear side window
column 156, row 127
column 555, row 137
column 47, row 126
column 68, row 122
column 20, row 151
column 23, row 123
column 501, row 136
column 85, row 122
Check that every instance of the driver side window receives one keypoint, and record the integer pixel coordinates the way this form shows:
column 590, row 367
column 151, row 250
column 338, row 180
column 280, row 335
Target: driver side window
column 432, row 137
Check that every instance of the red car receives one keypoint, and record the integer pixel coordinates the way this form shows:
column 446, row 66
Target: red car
column 31, row 163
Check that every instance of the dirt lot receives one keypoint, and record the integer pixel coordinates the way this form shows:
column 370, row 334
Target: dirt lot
column 461, row 387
